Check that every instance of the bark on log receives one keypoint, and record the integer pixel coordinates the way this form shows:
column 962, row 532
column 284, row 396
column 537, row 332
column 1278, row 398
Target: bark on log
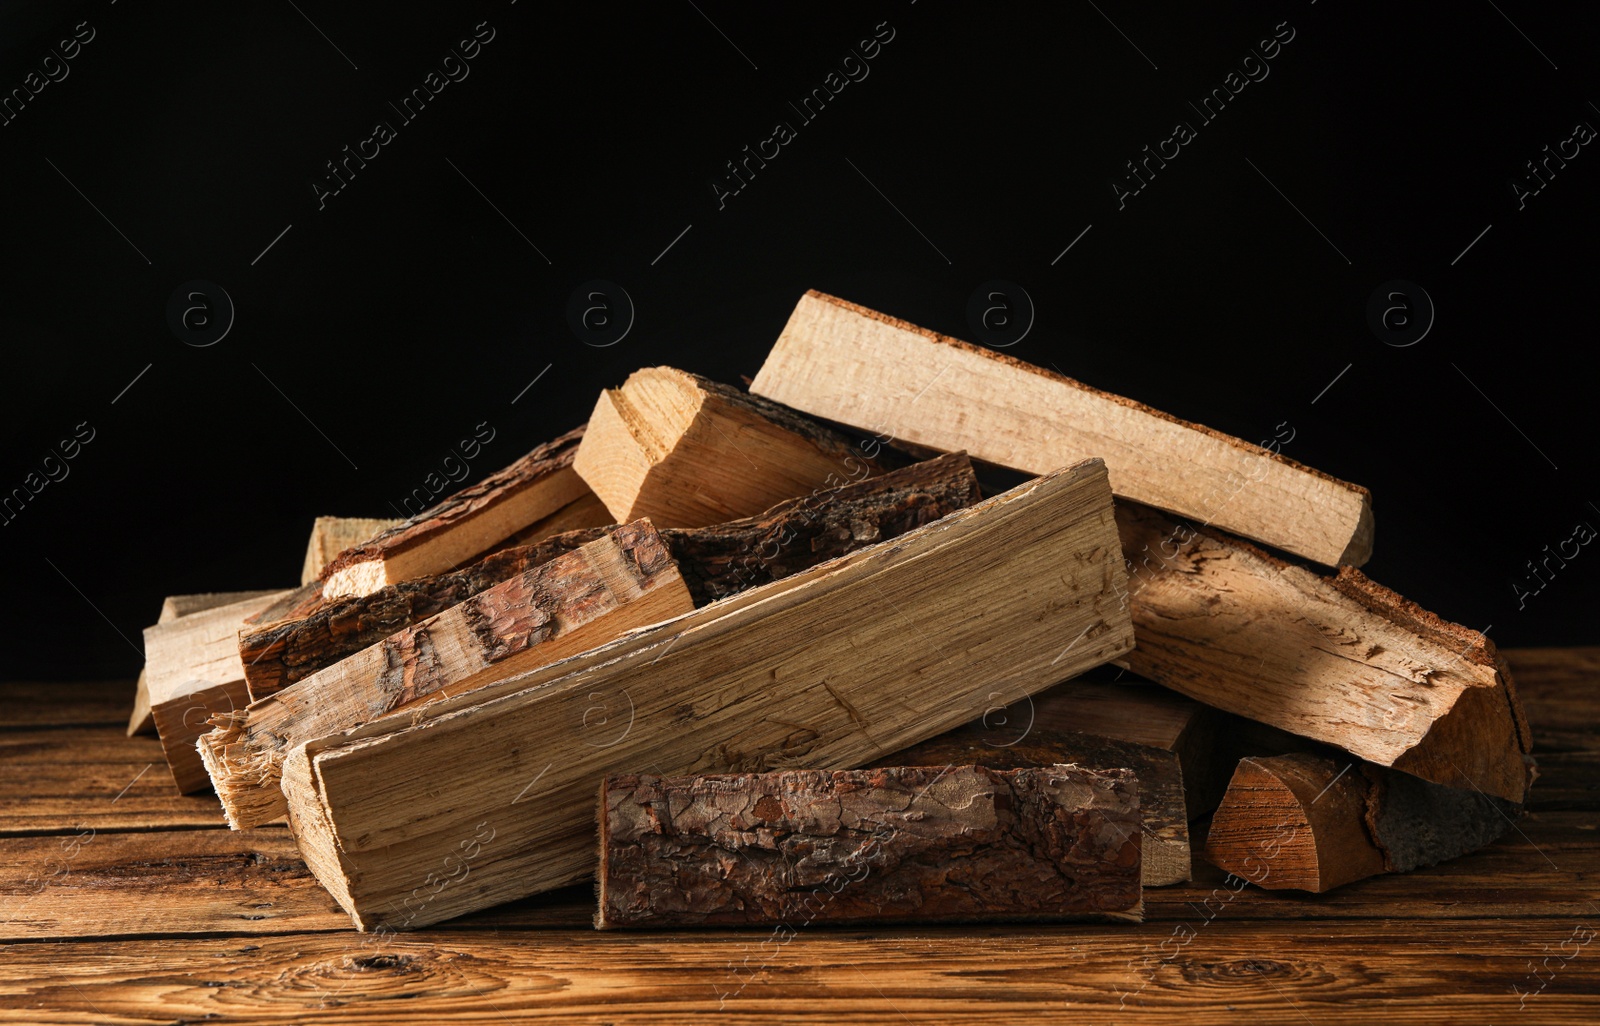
column 332, row 535
column 1339, row 659
column 888, row 845
column 714, row 561
column 1312, row 823
column 1166, row 854
column 464, row 525
column 571, row 603
column 689, row 452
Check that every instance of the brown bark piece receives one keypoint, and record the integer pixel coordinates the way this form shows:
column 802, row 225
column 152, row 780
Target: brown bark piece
column 1166, row 855
column 849, row 364
column 715, row 561
column 1308, row 822
column 332, row 535
column 887, row 845
column 689, row 452
column 578, row 600
column 464, row 525
column 1343, row 660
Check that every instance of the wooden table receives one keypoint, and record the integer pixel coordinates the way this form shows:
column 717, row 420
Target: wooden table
column 122, row 902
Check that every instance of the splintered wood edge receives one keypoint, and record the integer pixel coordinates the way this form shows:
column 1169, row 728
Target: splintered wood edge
column 708, row 617
column 1474, row 646
column 408, row 534
column 1007, row 360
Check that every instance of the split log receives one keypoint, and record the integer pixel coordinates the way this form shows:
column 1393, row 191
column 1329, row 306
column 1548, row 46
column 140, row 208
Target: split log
column 277, row 655
column 714, row 561
column 141, row 721
column 1312, row 823
column 888, row 845
column 464, row 525
column 192, row 671
column 1338, row 659
column 1165, row 857
column 846, row 363
column 622, row 580
column 332, row 535
column 825, row 669
column 688, row 452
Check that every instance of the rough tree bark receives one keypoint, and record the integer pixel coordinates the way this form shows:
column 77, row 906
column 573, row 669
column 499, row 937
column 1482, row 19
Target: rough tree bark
column 1166, row 854
column 714, row 561
column 893, row 844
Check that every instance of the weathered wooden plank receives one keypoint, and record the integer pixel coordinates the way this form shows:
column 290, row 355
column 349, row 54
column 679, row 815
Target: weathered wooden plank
column 91, row 883
column 853, row 365
column 1385, row 970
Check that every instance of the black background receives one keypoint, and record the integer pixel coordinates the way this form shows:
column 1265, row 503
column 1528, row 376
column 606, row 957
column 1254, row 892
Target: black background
column 381, row 329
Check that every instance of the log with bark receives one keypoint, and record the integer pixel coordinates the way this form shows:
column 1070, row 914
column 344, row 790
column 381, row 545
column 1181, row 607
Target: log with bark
column 824, row 669
column 715, row 561
column 619, row 581
column 1338, row 659
column 192, row 671
column 1305, row 821
column 331, row 536
column 688, row 452
column 886, row 845
column 466, row 524
column 853, row 365
column 1165, row 857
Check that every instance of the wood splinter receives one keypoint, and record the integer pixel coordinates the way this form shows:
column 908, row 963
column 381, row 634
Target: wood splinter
column 887, row 845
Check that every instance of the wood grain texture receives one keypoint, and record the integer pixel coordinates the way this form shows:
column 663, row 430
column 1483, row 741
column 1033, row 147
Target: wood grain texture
column 1340, row 660
column 860, row 656
column 689, row 452
column 284, row 652
column 1136, row 712
column 332, row 535
column 192, row 670
column 893, row 844
column 621, row 580
column 141, row 721
column 715, row 561
column 1304, row 821
column 1165, row 848
column 1381, row 970
column 846, row 363
column 464, row 525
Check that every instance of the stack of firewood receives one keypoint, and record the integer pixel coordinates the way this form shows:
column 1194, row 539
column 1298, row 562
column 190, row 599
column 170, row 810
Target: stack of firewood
column 796, row 665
